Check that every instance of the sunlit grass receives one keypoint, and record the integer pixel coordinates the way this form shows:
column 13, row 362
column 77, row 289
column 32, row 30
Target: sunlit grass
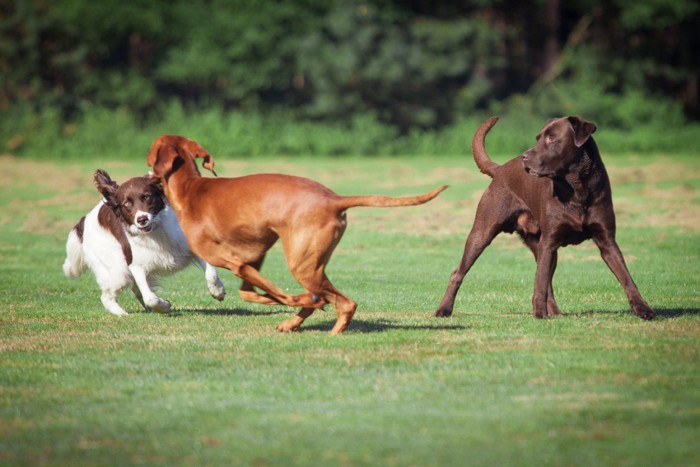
column 214, row 383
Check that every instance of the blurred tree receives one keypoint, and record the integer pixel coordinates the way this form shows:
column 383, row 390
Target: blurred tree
column 408, row 70
column 410, row 63
column 241, row 53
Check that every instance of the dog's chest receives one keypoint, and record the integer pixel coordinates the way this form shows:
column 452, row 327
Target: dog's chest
column 164, row 249
column 573, row 225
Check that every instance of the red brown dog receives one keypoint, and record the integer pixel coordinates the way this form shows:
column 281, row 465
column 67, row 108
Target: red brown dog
column 554, row 194
column 233, row 222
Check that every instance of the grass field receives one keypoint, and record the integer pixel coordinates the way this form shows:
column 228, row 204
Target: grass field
column 214, row 383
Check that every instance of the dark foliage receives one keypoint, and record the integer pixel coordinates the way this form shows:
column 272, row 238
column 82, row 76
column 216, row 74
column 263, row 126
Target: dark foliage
column 413, row 64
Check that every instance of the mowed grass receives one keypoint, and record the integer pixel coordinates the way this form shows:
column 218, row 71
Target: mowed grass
column 214, row 383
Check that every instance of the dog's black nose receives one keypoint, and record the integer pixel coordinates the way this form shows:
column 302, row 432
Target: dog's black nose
column 142, row 220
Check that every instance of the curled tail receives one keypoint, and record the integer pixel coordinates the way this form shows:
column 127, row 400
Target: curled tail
column 74, row 265
column 345, row 202
column 483, row 161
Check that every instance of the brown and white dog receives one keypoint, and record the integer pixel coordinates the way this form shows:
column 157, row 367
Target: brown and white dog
column 128, row 238
column 233, row 222
column 555, row 194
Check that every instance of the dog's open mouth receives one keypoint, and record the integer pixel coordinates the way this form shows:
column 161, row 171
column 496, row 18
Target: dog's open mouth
column 145, row 228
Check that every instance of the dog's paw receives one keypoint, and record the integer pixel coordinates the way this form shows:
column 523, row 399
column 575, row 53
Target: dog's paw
column 288, row 325
column 443, row 312
column 163, row 306
column 118, row 312
column 553, row 310
column 644, row 311
column 540, row 314
column 217, row 291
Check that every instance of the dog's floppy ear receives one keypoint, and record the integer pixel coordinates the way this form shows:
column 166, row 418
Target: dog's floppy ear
column 582, row 130
column 163, row 157
column 156, row 183
column 106, row 186
column 197, row 150
column 209, row 164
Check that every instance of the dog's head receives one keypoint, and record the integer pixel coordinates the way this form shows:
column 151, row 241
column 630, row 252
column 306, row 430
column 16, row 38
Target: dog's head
column 136, row 202
column 559, row 144
column 169, row 153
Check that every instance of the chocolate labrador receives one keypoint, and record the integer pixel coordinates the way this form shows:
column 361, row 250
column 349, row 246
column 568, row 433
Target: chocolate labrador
column 554, row 194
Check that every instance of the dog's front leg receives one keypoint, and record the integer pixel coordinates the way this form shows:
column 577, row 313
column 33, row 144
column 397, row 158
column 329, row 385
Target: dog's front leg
column 612, row 256
column 139, row 297
column 150, row 299
column 546, row 263
column 533, row 244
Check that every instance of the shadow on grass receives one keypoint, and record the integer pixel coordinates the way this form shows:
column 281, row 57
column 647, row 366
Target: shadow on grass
column 229, row 312
column 356, row 326
column 669, row 313
column 381, row 325
column 661, row 313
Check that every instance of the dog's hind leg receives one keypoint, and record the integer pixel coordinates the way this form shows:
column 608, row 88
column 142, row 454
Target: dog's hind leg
column 488, row 223
column 254, row 278
column 344, row 307
column 109, row 300
column 248, row 293
column 214, row 284
column 308, row 265
column 477, row 241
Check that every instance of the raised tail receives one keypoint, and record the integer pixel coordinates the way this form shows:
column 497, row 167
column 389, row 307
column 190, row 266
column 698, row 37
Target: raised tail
column 483, row 161
column 74, row 265
column 380, row 201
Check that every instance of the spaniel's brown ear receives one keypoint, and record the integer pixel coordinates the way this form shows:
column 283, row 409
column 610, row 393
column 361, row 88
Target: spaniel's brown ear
column 156, row 183
column 106, row 186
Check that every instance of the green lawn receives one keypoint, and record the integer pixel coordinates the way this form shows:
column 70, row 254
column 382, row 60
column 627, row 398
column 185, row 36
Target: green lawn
column 214, row 383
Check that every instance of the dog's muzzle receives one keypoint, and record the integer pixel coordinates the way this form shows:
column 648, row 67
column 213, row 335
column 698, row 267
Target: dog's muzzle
column 529, row 169
column 144, row 222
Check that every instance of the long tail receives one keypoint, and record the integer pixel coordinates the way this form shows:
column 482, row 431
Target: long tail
column 483, row 161
column 74, row 265
column 345, row 202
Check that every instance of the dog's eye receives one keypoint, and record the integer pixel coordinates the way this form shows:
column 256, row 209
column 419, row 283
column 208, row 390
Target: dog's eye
column 128, row 204
column 549, row 139
column 145, row 198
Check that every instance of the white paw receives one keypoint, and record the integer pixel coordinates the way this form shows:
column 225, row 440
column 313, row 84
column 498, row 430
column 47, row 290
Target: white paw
column 118, row 312
column 161, row 306
column 217, row 290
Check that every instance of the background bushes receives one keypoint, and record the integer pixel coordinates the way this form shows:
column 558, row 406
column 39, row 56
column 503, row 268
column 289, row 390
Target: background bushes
column 334, row 77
